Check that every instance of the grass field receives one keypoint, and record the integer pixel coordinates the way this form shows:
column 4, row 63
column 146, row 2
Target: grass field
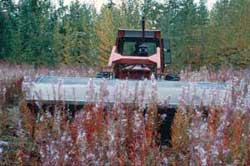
column 121, row 135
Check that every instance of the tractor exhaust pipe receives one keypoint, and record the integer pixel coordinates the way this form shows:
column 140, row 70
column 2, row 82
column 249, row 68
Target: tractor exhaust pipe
column 143, row 28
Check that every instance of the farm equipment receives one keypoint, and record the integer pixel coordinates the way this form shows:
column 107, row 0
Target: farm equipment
column 136, row 65
column 139, row 54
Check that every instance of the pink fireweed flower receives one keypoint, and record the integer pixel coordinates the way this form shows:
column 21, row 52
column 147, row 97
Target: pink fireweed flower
column 90, row 94
column 103, row 93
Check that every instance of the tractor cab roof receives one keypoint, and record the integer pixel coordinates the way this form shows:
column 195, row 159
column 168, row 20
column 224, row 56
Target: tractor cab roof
column 134, row 33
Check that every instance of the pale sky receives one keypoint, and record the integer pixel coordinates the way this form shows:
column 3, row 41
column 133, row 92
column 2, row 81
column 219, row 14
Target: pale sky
column 98, row 3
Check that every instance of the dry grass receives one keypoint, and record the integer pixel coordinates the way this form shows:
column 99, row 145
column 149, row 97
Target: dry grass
column 121, row 134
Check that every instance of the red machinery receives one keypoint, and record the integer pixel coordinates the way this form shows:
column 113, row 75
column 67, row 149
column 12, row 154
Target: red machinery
column 137, row 54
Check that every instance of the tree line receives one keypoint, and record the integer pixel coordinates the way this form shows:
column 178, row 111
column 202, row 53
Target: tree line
column 39, row 32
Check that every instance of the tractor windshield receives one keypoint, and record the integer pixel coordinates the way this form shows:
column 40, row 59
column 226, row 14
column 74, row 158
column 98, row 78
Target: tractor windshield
column 137, row 47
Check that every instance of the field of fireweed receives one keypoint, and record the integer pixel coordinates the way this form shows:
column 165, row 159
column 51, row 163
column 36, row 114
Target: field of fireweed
column 122, row 134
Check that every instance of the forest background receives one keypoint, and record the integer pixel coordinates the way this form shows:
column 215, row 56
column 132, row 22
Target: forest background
column 38, row 32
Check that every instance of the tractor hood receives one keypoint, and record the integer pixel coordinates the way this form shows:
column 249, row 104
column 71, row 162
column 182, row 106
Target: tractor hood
column 137, row 67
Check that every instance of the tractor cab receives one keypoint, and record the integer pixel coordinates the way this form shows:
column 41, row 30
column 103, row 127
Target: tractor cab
column 137, row 54
column 129, row 43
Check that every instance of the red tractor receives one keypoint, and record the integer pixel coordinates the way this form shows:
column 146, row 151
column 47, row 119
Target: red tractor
column 139, row 54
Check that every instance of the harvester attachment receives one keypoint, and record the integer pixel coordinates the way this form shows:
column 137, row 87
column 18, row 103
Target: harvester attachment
column 80, row 90
column 165, row 96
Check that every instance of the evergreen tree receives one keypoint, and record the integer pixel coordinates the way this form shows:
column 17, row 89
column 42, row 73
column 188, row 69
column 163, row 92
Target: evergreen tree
column 152, row 10
column 130, row 14
column 80, row 37
column 8, row 30
column 229, row 30
column 179, row 23
column 107, row 25
column 2, row 28
column 36, row 28
column 203, row 20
